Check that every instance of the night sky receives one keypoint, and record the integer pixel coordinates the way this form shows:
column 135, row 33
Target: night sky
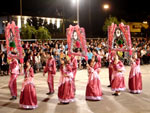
column 129, row 10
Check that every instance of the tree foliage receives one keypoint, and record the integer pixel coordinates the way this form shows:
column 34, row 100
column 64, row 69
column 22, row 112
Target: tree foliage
column 43, row 33
column 111, row 20
column 27, row 31
column 40, row 22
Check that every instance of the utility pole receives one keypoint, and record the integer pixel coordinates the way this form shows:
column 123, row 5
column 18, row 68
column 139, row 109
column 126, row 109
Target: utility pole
column 90, row 16
column 63, row 17
column 78, row 9
column 21, row 11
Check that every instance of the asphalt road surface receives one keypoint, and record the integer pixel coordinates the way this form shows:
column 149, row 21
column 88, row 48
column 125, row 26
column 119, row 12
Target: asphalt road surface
column 125, row 103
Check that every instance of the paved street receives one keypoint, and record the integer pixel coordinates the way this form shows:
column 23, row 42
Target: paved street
column 126, row 103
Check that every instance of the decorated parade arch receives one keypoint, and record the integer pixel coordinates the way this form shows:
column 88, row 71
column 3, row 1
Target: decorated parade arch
column 119, row 38
column 76, row 40
column 13, row 42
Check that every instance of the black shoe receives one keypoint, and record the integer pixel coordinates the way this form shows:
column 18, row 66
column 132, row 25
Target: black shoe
column 64, row 103
column 13, row 98
column 116, row 94
column 48, row 93
column 109, row 86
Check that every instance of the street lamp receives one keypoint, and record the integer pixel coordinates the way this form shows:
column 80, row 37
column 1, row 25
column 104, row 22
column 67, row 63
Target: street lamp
column 74, row 1
column 77, row 2
column 106, row 6
column 21, row 11
column 144, row 22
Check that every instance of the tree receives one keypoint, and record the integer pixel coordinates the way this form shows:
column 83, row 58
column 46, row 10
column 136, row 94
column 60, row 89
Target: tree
column 124, row 22
column 39, row 22
column 43, row 34
column 111, row 20
column 35, row 22
column 27, row 31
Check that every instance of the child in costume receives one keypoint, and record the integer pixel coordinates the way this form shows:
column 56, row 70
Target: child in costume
column 66, row 84
column 93, row 88
column 118, row 82
column 28, row 98
column 135, row 78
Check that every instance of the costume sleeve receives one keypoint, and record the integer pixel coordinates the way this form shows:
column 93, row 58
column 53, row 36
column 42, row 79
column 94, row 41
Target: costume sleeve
column 69, row 69
column 46, row 67
column 31, row 72
column 25, row 72
column 75, row 64
column 98, row 70
column 14, row 64
column 89, row 70
column 99, row 61
column 54, row 66
column 138, row 61
column 122, row 68
column 61, row 69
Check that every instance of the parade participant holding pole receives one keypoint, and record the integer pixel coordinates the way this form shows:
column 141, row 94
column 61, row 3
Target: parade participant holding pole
column 93, row 88
column 74, row 66
column 66, row 89
column 110, row 67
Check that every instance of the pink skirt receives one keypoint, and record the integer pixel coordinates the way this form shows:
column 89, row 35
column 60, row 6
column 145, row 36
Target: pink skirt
column 135, row 83
column 28, row 99
column 66, row 92
column 93, row 90
column 118, row 83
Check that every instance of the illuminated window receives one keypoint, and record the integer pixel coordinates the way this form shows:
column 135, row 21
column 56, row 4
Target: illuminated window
column 19, row 21
column 58, row 23
column 53, row 20
column 25, row 20
column 48, row 20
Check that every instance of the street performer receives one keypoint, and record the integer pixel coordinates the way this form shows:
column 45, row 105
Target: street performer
column 51, row 69
column 14, row 71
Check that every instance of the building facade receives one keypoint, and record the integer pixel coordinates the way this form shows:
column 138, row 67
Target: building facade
column 23, row 20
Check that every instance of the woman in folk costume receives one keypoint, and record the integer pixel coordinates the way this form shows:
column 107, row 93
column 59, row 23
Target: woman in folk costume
column 51, row 69
column 74, row 66
column 93, row 88
column 135, row 78
column 14, row 72
column 97, row 58
column 28, row 98
column 65, row 89
column 110, row 67
column 98, row 62
column 118, row 82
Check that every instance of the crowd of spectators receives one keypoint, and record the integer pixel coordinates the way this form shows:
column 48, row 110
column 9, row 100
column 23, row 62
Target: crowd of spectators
column 38, row 52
